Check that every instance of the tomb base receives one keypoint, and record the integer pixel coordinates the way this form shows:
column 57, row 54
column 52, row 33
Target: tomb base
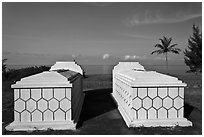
column 183, row 122
column 30, row 126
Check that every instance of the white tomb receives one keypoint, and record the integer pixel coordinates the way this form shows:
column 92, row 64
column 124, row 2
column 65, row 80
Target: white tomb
column 48, row 100
column 148, row 98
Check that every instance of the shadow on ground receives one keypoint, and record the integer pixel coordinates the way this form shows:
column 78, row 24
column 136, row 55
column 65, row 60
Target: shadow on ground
column 100, row 116
column 96, row 102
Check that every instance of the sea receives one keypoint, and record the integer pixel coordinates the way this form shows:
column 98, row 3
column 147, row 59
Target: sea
column 107, row 69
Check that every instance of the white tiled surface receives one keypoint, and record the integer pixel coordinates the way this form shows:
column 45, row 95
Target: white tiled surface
column 149, row 102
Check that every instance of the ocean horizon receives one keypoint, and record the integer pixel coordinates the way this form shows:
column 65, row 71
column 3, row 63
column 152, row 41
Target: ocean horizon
column 107, row 69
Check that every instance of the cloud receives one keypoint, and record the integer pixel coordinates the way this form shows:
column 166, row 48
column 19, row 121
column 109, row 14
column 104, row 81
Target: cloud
column 158, row 16
column 105, row 56
column 129, row 57
column 137, row 36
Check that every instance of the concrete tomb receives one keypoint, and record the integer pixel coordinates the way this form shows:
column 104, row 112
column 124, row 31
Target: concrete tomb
column 48, row 100
column 148, row 98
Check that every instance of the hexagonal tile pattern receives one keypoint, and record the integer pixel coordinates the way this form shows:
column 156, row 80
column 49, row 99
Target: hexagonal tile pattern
column 137, row 103
column 53, row 104
column 59, row 115
column 152, row 92
column 48, row 115
column 167, row 102
column 68, row 93
column 19, row 105
column 68, row 115
column 181, row 92
column 173, row 92
column 152, row 113
column 16, row 116
column 162, row 92
column 25, row 94
column 65, row 104
column 42, row 105
column 142, row 92
column 147, row 103
column 157, row 103
column 16, row 94
column 47, row 93
column 162, row 113
column 180, row 113
column 30, row 105
column 36, row 116
column 59, row 93
column 178, row 102
column 172, row 113
column 36, row 94
column 142, row 114
column 25, row 116
column 134, row 93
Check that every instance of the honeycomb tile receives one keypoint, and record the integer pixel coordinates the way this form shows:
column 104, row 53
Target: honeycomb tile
column 48, row 115
column 157, row 103
column 47, row 93
column 19, row 105
column 167, row 102
column 25, row 94
column 173, row 92
column 134, row 114
column 180, row 113
column 152, row 113
column 16, row 94
column 142, row 114
column 25, row 116
column 162, row 92
column 181, row 92
column 137, row 103
column 53, row 104
column 59, row 115
column 30, row 105
column 134, row 93
column 178, row 102
column 42, row 105
column 65, row 104
column 59, row 93
column 36, row 94
column 152, row 92
column 142, row 92
column 147, row 103
column 16, row 116
column 172, row 113
column 68, row 93
column 68, row 115
column 36, row 116
column 162, row 113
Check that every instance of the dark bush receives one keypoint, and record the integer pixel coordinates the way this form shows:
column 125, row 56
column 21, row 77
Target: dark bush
column 17, row 74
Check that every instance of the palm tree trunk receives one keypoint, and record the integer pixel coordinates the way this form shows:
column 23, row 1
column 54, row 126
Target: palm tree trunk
column 167, row 64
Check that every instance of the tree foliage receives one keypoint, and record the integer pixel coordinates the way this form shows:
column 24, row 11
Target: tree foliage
column 193, row 55
column 166, row 47
column 4, row 65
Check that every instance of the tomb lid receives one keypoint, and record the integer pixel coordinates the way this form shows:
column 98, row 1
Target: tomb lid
column 67, row 66
column 47, row 79
column 150, row 78
column 122, row 66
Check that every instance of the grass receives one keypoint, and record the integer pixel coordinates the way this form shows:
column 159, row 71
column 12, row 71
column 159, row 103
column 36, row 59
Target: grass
column 97, row 83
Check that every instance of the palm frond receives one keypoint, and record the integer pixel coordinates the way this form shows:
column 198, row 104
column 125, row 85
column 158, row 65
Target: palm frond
column 171, row 46
column 158, row 52
column 175, row 50
column 159, row 46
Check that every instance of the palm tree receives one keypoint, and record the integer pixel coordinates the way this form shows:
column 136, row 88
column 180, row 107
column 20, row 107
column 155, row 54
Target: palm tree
column 166, row 47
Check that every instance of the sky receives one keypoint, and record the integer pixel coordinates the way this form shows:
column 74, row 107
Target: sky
column 95, row 33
